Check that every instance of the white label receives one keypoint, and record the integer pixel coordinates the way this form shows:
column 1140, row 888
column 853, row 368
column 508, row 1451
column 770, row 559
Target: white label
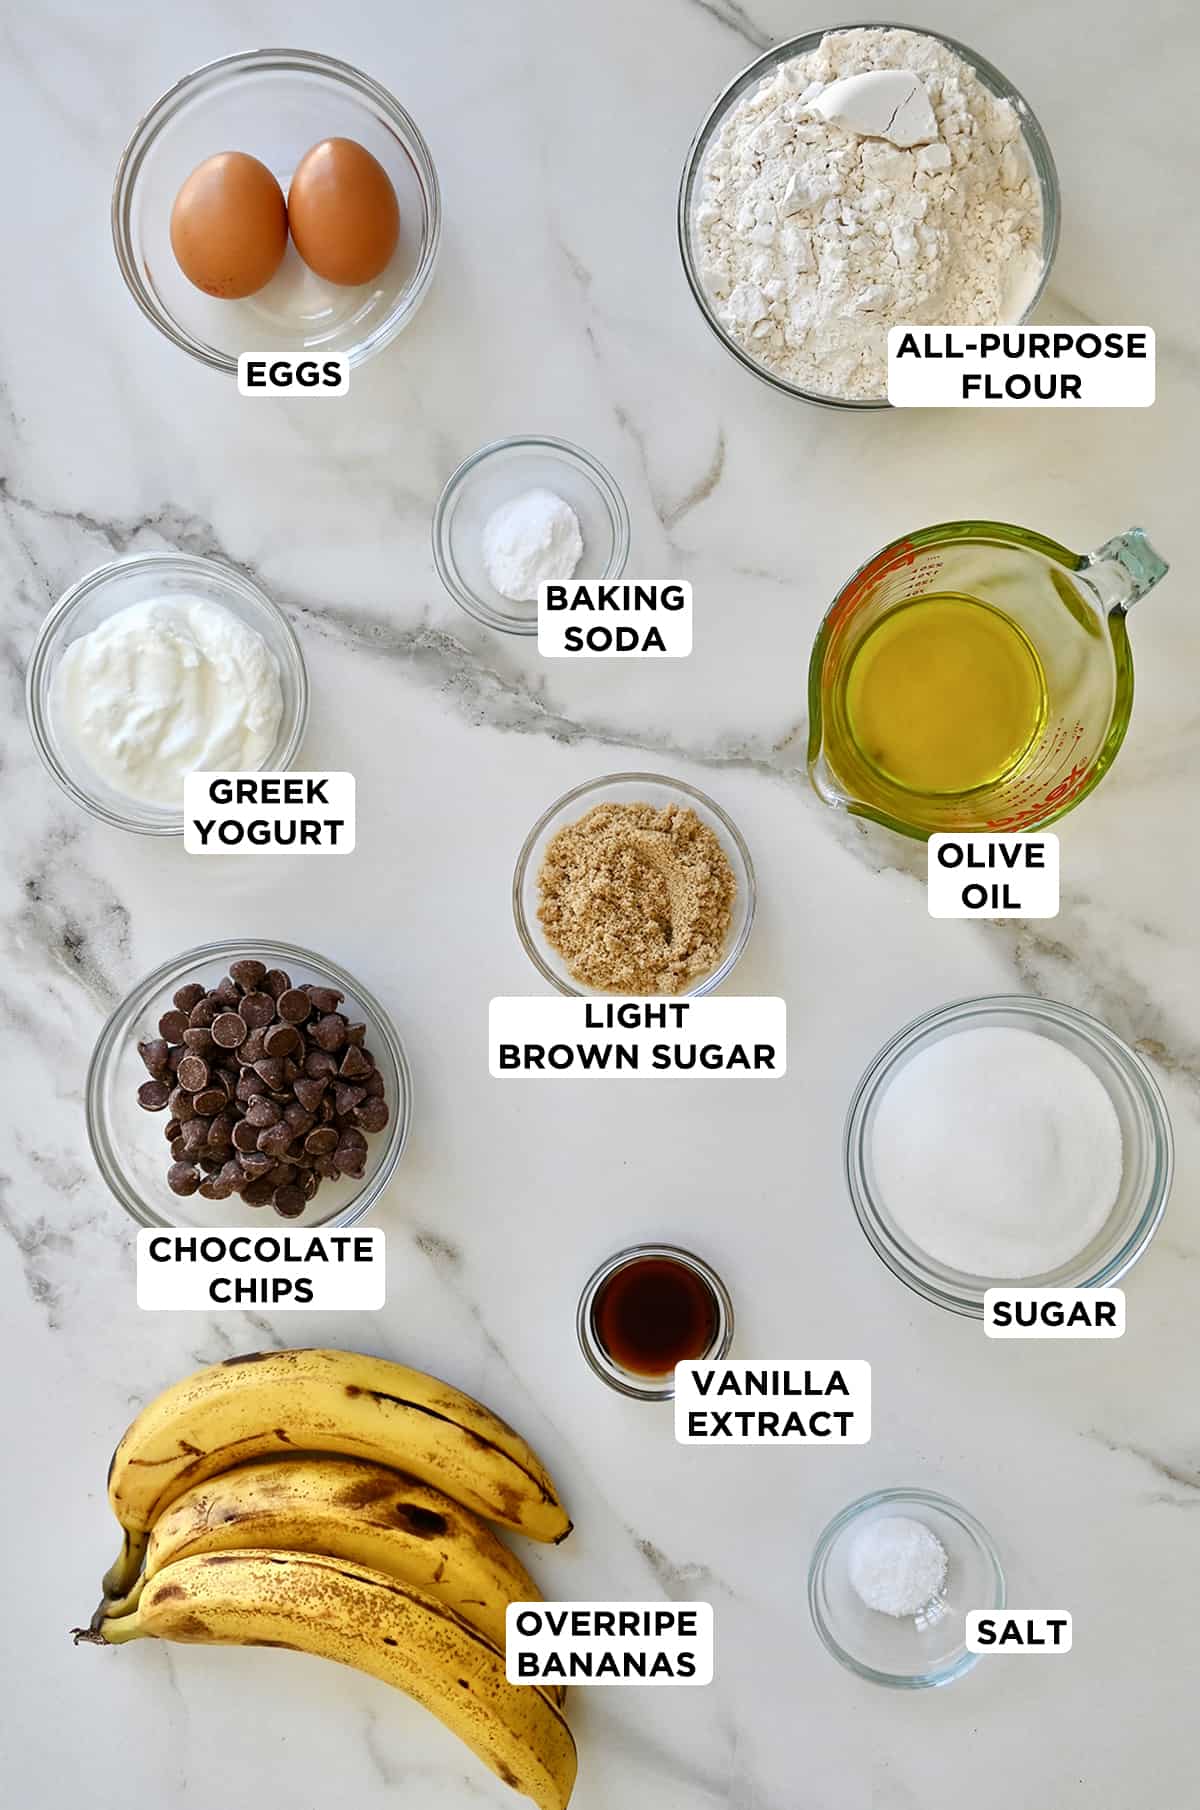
column 1020, row 367
column 608, row 1643
column 773, row 1401
column 1010, row 876
column 252, row 813
column 1019, row 1631
column 230, row 1266
column 745, row 1038
column 622, row 620
column 1054, row 1313
column 293, row 374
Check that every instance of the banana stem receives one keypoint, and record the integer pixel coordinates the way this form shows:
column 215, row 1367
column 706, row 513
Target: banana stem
column 120, row 1578
column 110, row 1608
column 112, row 1632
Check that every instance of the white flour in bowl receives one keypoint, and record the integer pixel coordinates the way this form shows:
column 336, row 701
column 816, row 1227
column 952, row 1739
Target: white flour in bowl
column 816, row 234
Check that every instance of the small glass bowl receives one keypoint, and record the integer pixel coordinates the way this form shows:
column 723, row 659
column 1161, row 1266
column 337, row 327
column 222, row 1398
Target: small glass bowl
column 992, row 80
column 628, row 1382
column 629, row 788
column 115, row 587
column 1147, row 1145
column 275, row 105
column 912, row 1653
column 494, row 475
column 127, row 1142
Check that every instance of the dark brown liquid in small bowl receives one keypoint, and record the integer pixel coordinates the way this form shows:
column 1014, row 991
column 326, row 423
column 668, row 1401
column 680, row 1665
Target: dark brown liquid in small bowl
column 654, row 1313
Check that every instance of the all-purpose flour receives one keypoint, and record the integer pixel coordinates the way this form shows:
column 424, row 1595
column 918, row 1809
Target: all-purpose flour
column 815, row 236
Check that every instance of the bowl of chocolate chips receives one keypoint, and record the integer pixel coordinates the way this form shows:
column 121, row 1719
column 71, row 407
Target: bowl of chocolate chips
column 248, row 1080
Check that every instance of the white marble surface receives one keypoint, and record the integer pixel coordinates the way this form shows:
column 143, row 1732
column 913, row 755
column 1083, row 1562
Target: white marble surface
column 558, row 129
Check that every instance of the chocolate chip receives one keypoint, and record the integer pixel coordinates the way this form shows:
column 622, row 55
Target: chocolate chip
column 356, row 1033
column 374, row 1085
column 183, row 1178
column 154, row 1054
column 245, row 1136
column 188, row 995
column 372, row 1115
column 293, row 1006
column 276, row 1140
column 248, row 973
column 254, row 1164
column 215, row 1189
column 281, row 1175
column 179, row 1150
column 231, row 1175
column 199, row 1042
column 276, row 981
column 228, row 991
column 289, row 1202
column 172, row 1128
column 203, row 1013
column 310, row 1093
column 326, row 1167
column 258, row 1193
column 153, row 1095
column 329, row 1032
column 229, row 1030
column 282, row 1040
column 176, row 1057
column 318, row 1064
column 257, row 1010
column 193, row 1074
column 220, row 1131
column 310, row 1184
column 321, row 1142
column 172, row 1025
column 346, row 1096
column 210, row 1101
column 182, row 1105
column 300, row 1121
column 209, row 1162
column 270, row 1070
column 324, row 999
column 195, row 1135
column 356, row 1062
column 250, row 1087
column 262, row 1112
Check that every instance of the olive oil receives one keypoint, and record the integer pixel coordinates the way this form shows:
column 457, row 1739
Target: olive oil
column 944, row 695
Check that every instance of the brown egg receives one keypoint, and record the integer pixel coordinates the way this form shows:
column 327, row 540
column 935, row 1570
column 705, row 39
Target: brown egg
column 229, row 226
column 343, row 212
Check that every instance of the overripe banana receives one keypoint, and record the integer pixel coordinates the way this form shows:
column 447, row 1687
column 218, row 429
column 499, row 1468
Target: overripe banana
column 323, row 1401
column 347, row 1508
column 338, row 1610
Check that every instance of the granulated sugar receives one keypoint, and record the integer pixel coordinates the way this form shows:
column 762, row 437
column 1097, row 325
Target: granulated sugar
column 997, row 1152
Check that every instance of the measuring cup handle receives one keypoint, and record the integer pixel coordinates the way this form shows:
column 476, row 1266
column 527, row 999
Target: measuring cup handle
column 1123, row 569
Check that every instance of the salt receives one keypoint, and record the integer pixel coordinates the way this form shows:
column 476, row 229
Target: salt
column 997, row 1152
column 897, row 1565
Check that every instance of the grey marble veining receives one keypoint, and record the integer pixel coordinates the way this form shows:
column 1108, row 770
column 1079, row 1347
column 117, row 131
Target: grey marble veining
column 559, row 131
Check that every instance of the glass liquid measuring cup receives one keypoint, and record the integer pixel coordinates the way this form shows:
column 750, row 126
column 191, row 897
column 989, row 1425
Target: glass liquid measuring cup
column 1067, row 608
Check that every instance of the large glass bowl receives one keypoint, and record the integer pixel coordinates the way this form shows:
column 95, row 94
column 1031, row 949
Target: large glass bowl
column 127, row 1142
column 629, row 788
column 989, row 76
column 101, row 594
column 1147, row 1149
column 275, row 105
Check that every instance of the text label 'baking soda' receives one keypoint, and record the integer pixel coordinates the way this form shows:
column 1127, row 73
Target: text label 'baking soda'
column 1054, row 1313
column 1009, row 876
column 597, row 620
column 1020, row 367
column 1019, row 1631
column 250, row 813
column 608, row 1643
column 292, row 374
column 772, row 1401
column 230, row 1266
column 625, row 1038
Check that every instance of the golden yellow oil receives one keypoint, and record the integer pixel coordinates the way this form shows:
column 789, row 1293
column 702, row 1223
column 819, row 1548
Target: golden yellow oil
column 944, row 695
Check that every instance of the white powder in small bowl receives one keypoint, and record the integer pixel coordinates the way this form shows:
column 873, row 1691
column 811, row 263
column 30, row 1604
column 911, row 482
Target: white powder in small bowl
column 997, row 1152
column 896, row 1565
column 532, row 539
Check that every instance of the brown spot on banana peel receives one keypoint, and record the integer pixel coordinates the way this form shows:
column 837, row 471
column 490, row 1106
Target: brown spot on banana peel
column 479, row 1439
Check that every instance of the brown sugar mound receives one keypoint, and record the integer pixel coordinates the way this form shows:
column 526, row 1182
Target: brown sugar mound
column 637, row 900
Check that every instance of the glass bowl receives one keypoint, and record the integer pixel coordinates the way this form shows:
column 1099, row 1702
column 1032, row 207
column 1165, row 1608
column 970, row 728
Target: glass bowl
column 910, row 1653
column 115, row 587
column 274, row 104
column 127, row 1142
column 1146, row 1139
column 992, row 80
column 494, row 475
column 628, row 1382
column 629, row 788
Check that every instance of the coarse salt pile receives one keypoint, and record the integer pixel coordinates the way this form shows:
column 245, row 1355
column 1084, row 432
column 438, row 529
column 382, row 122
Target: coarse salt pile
column 897, row 1565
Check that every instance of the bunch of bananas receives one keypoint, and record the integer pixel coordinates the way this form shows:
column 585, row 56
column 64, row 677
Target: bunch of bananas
column 338, row 1504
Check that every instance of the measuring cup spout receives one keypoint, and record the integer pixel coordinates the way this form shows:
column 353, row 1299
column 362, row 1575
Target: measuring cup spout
column 1122, row 570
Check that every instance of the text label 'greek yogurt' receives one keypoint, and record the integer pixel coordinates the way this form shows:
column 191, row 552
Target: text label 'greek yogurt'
column 1054, row 1313
column 250, row 813
column 608, row 1643
column 1021, row 367
column 597, row 620
column 625, row 1038
column 773, row 1401
column 1019, row 1631
column 293, row 374
column 230, row 1266
column 1009, row 876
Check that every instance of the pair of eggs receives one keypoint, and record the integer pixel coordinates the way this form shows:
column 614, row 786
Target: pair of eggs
column 230, row 223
